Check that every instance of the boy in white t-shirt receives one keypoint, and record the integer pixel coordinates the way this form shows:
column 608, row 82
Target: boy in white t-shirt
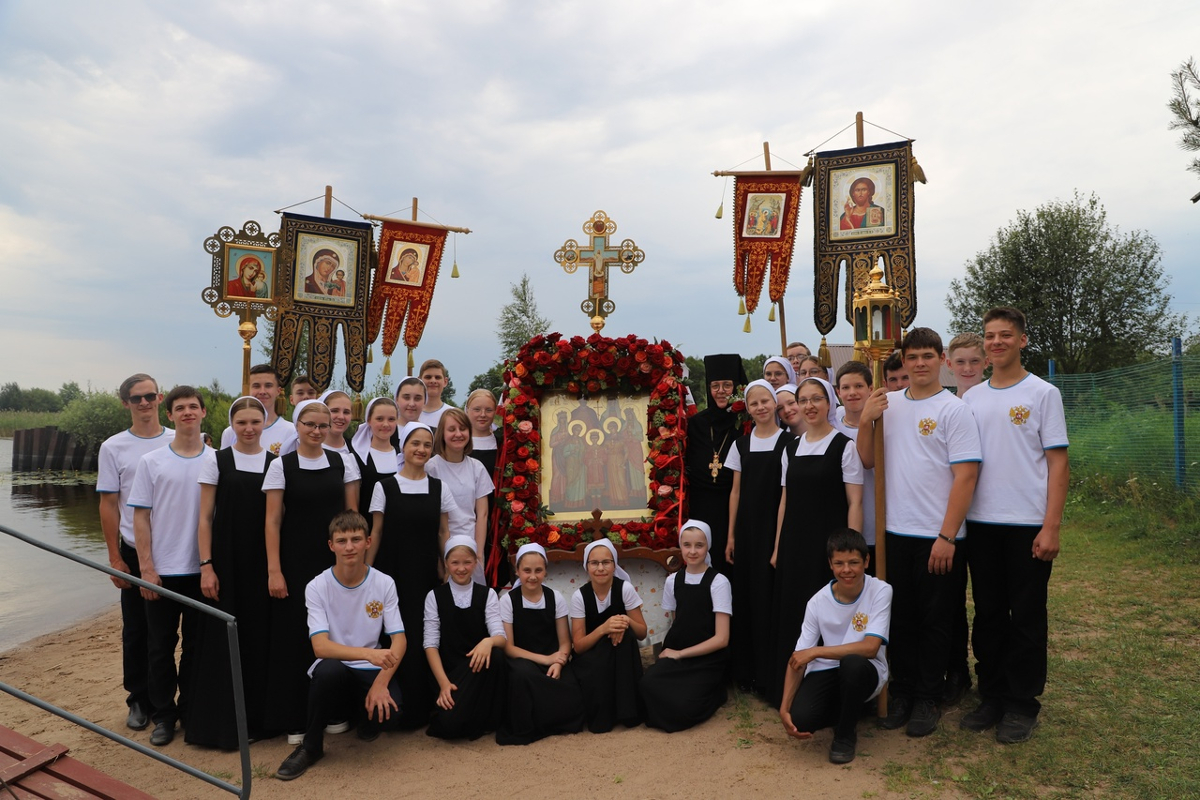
column 350, row 608
column 1013, row 528
column 932, row 455
column 166, row 511
column 266, row 387
column 826, row 686
column 120, row 455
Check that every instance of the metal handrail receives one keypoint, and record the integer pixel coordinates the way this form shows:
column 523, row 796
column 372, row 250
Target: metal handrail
column 235, row 663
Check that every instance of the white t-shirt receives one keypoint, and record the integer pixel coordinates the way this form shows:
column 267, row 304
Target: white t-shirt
column 483, row 442
column 273, row 437
column 841, row 424
column 119, row 458
column 720, row 590
column 387, row 462
column 1017, row 425
column 922, row 439
column 210, row 474
column 852, row 468
column 409, row 486
column 353, row 616
column 628, row 594
column 757, row 445
column 836, row 623
column 432, row 418
column 506, row 609
column 168, row 485
column 276, row 479
column 868, row 484
column 465, row 482
column 462, row 599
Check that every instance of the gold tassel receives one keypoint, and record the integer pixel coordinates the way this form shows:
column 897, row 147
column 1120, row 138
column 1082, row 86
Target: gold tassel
column 280, row 406
column 771, row 316
column 357, row 408
column 860, row 356
column 410, row 361
column 746, row 327
column 721, row 210
column 387, row 366
column 741, row 306
column 823, row 354
column 454, row 271
column 806, row 174
column 918, row 174
column 370, row 354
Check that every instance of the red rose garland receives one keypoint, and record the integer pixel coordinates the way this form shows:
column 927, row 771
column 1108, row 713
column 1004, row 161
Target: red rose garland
column 583, row 367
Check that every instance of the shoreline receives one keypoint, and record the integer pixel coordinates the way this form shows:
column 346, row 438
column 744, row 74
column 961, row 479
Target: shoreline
column 741, row 750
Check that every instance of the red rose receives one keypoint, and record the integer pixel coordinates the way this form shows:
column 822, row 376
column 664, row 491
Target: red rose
column 542, row 358
column 593, row 358
column 624, row 363
column 671, row 419
column 608, row 359
column 572, row 387
column 532, row 464
column 671, row 478
column 568, row 541
column 518, row 481
column 640, row 356
column 522, row 452
column 535, row 437
column 593, row 386
column 645, row 366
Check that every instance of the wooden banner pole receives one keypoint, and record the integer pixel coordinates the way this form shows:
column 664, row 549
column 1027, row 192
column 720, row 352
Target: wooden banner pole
column 328, row 202
column 858, row 128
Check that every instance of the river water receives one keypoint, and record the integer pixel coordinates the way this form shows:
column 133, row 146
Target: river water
column 39, row 591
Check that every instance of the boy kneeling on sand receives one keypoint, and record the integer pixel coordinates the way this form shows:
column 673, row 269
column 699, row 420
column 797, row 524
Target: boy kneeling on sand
column 350, row 605
column 827, row 685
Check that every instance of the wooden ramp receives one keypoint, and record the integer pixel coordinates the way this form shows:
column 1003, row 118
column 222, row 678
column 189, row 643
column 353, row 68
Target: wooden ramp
column 33, row 771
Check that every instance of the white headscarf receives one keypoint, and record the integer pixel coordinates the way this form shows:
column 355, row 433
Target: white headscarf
column 706, row 530
column 787, row 387
column 292, row 440
column 247, row 397
column 409, row 429
column 764, row 384
column 832, row 415
column 522, row 551
column 617, row 571
column 459, row 540
column 787, row 367
column 360, row 443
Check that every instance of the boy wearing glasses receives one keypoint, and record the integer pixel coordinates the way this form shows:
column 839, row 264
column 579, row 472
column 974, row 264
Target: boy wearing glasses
column 932, row 460
column 118, row 462
column 166, row 509
column 266, row 387
column 1014, row 526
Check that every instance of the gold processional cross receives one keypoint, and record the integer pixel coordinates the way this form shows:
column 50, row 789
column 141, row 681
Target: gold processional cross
column 599, row 257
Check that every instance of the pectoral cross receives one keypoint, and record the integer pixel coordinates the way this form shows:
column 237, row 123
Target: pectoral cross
column 715, row 465
column 599, row 258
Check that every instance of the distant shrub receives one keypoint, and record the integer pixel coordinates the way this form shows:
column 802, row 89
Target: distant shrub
column 94, row 417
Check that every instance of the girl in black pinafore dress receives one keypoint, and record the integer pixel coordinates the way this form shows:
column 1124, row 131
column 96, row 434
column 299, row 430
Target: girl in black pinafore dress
column 822, row 493
column 305, row 490
column 409, row 529
column 373, row 450
column 687, row 684
column 543, row 697
column 753, row 508
column 463, row 644
column 234, row 579
column 607, row 659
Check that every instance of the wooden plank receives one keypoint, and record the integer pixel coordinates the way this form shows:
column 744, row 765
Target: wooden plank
column 67, row 770
column 48, row 755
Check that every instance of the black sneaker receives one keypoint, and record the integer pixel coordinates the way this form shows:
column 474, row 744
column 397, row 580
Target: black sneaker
column 924, row 718
column 368, row 731
column 954, row 688
column 841, row 751
column 1015, row 728
column 899, row 710
column 137, row 719
column 297, row 764
column 985, row 716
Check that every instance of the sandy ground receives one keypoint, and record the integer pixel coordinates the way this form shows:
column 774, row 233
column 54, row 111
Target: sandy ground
column 79, row 669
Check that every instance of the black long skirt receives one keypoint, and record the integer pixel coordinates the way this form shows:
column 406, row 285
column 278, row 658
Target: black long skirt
column 680, row 693
column 538, row 705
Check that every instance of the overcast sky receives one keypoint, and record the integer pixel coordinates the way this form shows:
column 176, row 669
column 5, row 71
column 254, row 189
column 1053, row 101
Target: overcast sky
column 131, row 131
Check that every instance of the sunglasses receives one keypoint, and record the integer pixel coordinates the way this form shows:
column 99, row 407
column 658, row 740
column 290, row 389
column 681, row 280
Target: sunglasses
column 138, row 399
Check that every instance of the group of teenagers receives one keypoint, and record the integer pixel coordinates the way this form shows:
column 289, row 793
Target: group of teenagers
column 973, row 481
column 333, row 553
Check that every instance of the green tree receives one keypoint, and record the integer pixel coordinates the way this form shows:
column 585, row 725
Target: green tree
column 94, row 417
column 1095, row 298
column 11, row 397
column 1185, row 108
column 40, row 400
column 519, row 321
column 69, row 392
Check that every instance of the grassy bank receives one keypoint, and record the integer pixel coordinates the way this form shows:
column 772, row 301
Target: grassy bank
column 1121, row 714
column 16, row 420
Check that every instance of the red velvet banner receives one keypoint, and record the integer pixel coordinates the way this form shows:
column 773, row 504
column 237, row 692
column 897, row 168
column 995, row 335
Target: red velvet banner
column 409, row 258
column 765, row 209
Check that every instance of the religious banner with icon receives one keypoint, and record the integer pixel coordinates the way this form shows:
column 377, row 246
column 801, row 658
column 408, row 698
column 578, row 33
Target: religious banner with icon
column 324, row 275
column 863, row 212
column 409, row 257
column 765, row 210
column 593, row 435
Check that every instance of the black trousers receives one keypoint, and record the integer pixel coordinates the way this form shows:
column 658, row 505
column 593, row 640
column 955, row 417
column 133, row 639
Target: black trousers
column 923, row 610
column 164, row 620
column 1011, row 627
column 339, row 692
column 834, row 698
column 134, row 658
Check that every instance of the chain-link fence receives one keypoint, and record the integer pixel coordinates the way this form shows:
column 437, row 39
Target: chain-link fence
column 1139, row 422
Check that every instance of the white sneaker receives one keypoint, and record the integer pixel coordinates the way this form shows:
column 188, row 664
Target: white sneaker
column 296, row 738
column 338, row 727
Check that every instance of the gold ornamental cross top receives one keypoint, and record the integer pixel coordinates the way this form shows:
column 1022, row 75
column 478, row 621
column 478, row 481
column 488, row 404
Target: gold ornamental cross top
column 598, row 257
